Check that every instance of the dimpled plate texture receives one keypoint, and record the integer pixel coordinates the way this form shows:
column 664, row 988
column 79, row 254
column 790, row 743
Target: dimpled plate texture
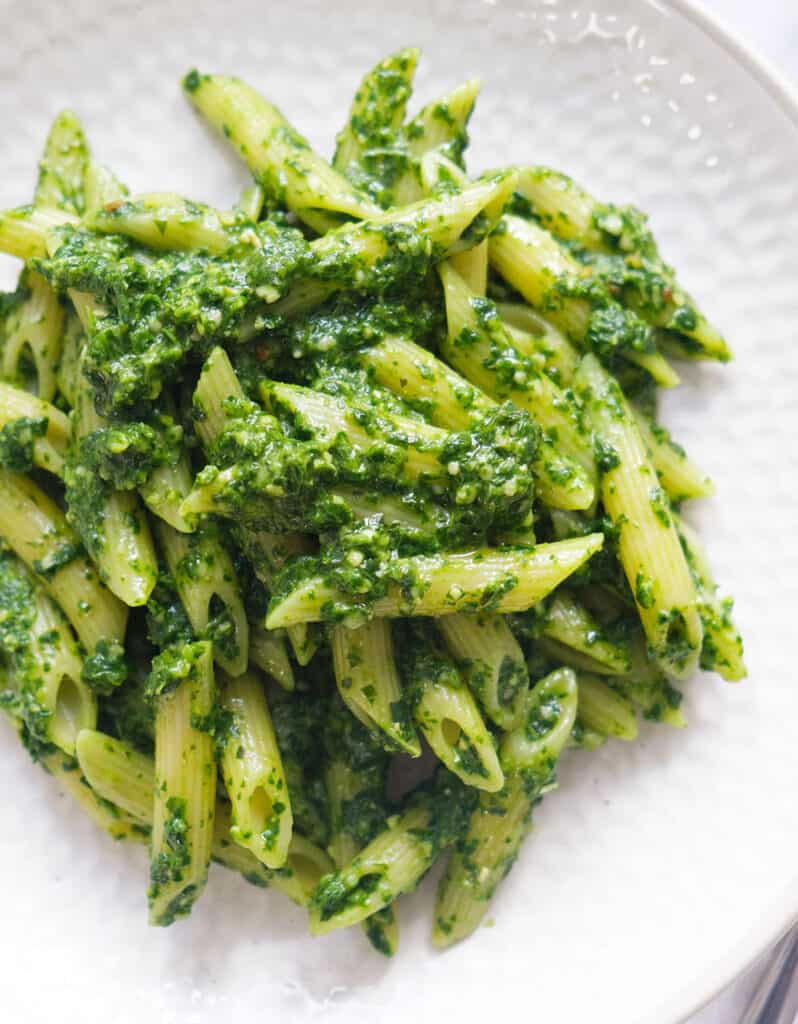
column 646, row 881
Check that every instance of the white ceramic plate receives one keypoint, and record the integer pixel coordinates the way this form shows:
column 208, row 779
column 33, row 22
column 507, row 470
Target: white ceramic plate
column 659, row 869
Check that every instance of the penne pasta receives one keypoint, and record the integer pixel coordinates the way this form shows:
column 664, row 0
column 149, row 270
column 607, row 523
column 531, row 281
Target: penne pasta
column 369, row 684
column 37, row 531
column 206, row 581
column 648, row 545
column 505, row 580
column 184, row 793
column 351, row 481
column 253, row 775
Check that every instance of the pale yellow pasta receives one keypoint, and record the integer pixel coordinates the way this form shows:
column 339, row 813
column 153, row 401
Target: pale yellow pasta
column 489, row 849
column 34, row 334
column 679, row 475
column 49, row 449
column 446, row 713
column 502, row 580
column 648, row 544
column 119, row 542
column 532, row 260
column 439, row 126
column 375, row 108
column 24, row 230
column 163, row 220
column 184, row 794
column 267, row 650
column 390, row 865
column 604, row 710
column 252, row 771
column 37, row 530
column 369, row 684
column 121, row 777
column 491, row 661
column 329, row 417
column 206, row 581
column 413, row 373
column 281, row 160
column 570, row 624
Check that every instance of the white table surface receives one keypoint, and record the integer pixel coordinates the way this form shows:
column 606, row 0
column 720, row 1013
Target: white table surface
column 770, row 28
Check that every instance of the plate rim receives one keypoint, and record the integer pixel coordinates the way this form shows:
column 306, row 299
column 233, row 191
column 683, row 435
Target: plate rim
column 768, row 76
column 781, row 914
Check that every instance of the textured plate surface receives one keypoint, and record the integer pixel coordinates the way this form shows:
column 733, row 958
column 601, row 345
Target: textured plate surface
column 647, row 877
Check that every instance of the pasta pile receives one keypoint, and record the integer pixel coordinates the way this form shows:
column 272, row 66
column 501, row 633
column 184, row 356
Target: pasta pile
column 365, row 467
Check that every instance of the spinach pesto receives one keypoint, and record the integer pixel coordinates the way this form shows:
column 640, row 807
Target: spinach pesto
column 369, row 458
column 157, row 311
column 17, row 442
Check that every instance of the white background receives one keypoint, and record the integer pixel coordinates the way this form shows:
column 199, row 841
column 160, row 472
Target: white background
column 770, row 28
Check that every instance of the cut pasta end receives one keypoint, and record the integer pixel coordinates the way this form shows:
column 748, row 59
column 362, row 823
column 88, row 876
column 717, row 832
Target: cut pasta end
column 75, row 711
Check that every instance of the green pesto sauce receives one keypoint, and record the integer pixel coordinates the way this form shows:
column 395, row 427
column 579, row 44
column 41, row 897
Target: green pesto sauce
column 677, row 648
column 296, row 349
column 86, row 497
column 406, row 253
column 334, row 895
column 282, row 479
column 660, row 505
column 468, row 759
column 169, row 864
column 163, row 306
column 402, row 725
column 125, row 455
column 513, row 678
column 607, row 457
column 386, row 159
column 173, row 666
column 376, row 930
column 717, row 621
column 167, row 622
column 644, row 590
column 121, row 456
column 667, row 698
column 17, row 441
column 106, row 668
column 125, row 712
column 423, row 660
column 24, row 654
column 299, row 719
column 193, row 80
column 449, row 804
column 377, row 113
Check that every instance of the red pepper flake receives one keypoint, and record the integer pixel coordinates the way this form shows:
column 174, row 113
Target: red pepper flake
column 262, row 353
